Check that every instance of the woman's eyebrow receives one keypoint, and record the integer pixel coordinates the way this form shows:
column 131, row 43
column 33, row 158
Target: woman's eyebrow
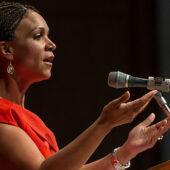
column 41, row 29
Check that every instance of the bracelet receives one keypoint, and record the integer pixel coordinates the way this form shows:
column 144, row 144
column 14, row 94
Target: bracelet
column 115, row 161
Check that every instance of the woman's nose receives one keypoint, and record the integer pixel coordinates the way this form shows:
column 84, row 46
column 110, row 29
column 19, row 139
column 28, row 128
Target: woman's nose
column 50, row 45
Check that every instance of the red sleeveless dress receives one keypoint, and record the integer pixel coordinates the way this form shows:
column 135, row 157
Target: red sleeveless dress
column 14, row 114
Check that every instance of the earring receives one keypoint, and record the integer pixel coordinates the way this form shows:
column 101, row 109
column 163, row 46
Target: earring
column 10, row 68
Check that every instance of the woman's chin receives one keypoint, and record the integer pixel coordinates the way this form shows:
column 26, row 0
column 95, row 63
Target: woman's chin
column 43, row 77
column 47, row 76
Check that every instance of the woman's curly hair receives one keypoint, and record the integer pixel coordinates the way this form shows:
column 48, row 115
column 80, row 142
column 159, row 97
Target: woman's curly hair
column 11, row 13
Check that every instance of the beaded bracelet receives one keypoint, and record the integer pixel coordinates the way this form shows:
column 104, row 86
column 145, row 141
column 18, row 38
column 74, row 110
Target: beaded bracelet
column 115, row 161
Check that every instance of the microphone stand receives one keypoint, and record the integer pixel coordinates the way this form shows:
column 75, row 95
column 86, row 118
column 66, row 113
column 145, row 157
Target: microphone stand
column 162, row 103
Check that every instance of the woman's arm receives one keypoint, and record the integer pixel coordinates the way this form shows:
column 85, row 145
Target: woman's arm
column 19, row 151
column 116, row 113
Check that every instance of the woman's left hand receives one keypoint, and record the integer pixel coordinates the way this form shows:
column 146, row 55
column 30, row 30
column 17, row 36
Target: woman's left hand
column 143, row 137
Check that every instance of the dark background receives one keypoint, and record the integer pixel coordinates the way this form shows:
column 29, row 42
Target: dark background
column 94, row 38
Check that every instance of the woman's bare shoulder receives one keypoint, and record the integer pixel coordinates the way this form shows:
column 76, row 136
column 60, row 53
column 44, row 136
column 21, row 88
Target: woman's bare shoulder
column 17, row 150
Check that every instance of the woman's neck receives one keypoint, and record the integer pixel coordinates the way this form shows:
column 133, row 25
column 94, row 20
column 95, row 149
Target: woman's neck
column 13, row 91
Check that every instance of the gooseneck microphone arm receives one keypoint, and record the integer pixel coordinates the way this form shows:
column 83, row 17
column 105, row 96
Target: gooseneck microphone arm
column 162, row 103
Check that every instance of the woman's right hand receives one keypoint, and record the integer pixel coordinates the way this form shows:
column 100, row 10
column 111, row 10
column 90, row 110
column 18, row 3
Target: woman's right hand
column 118, row 112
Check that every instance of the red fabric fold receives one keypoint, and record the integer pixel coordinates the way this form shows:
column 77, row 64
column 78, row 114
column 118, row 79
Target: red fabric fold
column 13, row 114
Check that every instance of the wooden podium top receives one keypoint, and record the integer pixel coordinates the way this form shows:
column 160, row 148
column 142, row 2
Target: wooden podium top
column 162, row 166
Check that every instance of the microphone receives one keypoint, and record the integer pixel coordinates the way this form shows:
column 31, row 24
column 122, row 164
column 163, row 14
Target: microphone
column 118, row 79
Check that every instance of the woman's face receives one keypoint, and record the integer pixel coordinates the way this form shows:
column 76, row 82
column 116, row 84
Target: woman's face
column 32, row 49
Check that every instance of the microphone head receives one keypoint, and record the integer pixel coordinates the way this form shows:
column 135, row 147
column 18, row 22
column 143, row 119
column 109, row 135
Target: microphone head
column 118, row 79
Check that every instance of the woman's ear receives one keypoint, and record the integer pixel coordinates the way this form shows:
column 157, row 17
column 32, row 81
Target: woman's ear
column 6, row 50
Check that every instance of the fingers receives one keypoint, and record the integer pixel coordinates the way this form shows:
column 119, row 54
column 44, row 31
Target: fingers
column 150, row 94
column 139, row 104
column 136, row 104
column 157, row 135
column 166, row 127
column 148, row 120
column 168, row 124
column 124, row 98
column 156, row 130
column 145, row 99
column 161, row 124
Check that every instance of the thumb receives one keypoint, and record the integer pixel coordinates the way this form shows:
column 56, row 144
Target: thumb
column 124, row 98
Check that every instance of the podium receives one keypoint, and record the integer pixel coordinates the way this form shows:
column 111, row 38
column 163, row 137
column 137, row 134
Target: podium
column 162, row 166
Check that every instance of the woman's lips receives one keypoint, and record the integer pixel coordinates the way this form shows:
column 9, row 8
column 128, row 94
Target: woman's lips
column 49, row 60
column 48, row 63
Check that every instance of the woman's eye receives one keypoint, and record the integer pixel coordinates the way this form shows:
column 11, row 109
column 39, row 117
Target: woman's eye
column 37, row 36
